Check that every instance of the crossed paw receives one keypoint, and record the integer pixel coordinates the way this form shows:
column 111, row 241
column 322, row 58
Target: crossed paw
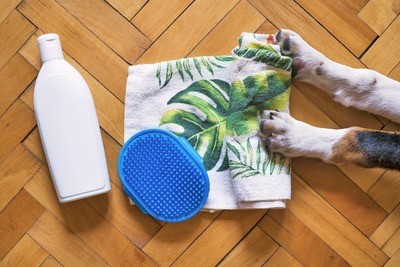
column 278, row 131
column 307, row 61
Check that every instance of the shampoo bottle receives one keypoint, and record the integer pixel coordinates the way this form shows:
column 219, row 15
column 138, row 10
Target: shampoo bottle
column 68, row 126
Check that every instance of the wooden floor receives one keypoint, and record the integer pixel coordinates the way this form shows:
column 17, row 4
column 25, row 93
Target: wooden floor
column 337, row 216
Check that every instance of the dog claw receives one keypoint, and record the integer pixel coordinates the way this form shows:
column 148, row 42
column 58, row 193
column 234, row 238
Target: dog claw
column 279, row 36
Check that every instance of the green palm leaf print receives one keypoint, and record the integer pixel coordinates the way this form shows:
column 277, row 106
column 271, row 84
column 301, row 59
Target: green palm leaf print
column 208, row 110
column 264, row 53
column 188, row 66
column 206, row 124
column 267, row 90
column 244, row 166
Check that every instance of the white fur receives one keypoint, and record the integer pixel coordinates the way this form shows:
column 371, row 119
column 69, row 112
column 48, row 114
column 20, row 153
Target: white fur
column 361, row 88
column 294, row 138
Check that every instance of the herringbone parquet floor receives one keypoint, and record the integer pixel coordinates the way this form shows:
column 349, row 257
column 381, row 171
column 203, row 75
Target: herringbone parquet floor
column 341, row 215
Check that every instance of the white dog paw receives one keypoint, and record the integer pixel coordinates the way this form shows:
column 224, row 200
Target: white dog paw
column 285, row 135
column 278, row 130
column 307, row 61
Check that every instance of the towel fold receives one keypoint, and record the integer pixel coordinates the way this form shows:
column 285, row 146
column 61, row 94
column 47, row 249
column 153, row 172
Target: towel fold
column 257, row 176
column 216, row 104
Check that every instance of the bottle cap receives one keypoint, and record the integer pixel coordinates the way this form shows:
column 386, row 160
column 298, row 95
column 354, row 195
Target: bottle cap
column 50, row 47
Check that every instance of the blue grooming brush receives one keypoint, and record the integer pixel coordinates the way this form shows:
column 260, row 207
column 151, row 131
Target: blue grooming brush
column 163, row 175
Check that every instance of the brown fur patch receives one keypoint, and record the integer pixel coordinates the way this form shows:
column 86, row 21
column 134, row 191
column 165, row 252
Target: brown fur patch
column 368, row 148
column 346, row 149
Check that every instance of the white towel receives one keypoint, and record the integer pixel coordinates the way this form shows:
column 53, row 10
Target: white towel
column 257, row 175
column 215, row 102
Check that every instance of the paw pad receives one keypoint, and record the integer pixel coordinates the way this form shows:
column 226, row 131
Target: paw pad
column 286, row 44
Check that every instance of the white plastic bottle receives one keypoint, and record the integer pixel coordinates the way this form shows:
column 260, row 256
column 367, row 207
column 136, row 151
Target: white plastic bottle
column 68, row 126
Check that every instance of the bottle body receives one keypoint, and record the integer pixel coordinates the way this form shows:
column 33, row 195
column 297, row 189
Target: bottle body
column 70, row 132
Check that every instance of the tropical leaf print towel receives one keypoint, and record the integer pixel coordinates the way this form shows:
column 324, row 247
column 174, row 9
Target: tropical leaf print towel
column 215, row 103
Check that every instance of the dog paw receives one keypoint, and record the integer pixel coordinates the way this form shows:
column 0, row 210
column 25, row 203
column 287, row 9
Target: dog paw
column 292, row 138
column 307, row 62
column 289, row 42
column 277, row 132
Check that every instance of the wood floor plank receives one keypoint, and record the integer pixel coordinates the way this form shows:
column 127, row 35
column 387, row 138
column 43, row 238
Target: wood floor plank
column 382, row 119
column 157, row 15
column 354, row 5
column 394, row 261
column 223, row 38
column 378, row 14
column 14, row 31
column 393, row 244
column 313, row 33
column 110, row 110
column 179, row 39
column 128, row 8
column 16, row 219
column 81, row 44
column 63, row 244
column 30, row 51
column 289, row 15
column 139, row 228
column 16, row 75
column 342, row 23
column 381, row 56
column 25, row 253
column 332, row 227
column 386, row 191
column 15, row 124
column 87, row 224
column 114, row 206
column 301, row 108
column 50, row 262
column 338, row 215
column 365, row 178
column 392, row 127
column 255, row 249
column 108, row 25
column 15, row 172
column 282, row 258
column 295, row 237
column 33, row 143
column 304, row 110
column 395, row 73
column 387, row 229
column 267, row 27
column 230, row 227
column 6, row 7
column 112, row 149
column 174, row 238
column 330, row 183
column 343, row 116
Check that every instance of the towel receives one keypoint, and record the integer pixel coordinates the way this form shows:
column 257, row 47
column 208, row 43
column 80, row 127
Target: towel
column 216, row 103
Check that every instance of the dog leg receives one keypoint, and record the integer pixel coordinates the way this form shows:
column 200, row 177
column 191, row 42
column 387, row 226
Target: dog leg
column 290, row 137
column 361, row 88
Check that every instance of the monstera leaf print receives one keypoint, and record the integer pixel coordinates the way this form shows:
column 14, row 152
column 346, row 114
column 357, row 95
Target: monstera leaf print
column 266, row 90
column 201, row 111
column 262, row 52
column 206, row 111
column 185, row 68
